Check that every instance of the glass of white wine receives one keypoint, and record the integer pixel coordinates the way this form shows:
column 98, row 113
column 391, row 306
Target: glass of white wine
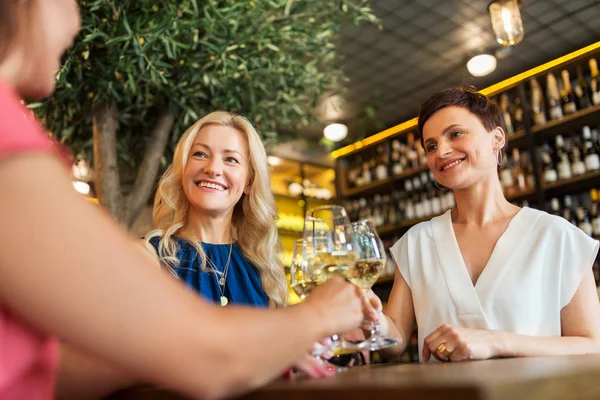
column 301, row 280
column 302, row 283
column 328, row 251
column 371, row 260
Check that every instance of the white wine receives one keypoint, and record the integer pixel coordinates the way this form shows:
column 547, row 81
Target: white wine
column 324, row 265
column 365, row 272
column 303, row 288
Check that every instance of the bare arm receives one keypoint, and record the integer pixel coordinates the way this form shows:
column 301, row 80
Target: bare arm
column 81, row 376
column 580, row 322
column 66, row 268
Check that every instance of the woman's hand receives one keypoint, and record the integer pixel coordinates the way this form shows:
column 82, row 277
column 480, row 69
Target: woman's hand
column 451, row 343
column 311, row 367
column 337, row 304
column 372, row 310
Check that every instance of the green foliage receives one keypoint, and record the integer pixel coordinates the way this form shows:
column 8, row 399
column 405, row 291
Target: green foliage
column 266, row 59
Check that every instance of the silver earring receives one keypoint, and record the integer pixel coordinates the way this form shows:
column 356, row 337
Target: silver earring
column 499, row 157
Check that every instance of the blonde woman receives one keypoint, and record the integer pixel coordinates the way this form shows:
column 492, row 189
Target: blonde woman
column 215, row 217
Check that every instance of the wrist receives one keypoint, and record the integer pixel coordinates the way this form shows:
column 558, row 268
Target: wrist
column 501, row 344
column 312, row 316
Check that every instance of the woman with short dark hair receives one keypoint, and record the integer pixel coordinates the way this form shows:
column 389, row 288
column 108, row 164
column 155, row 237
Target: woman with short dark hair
column 488, row 279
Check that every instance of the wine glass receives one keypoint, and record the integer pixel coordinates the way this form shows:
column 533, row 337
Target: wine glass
column 330, row 212
column 328, row 251
column 371, row 260
column 301, row 280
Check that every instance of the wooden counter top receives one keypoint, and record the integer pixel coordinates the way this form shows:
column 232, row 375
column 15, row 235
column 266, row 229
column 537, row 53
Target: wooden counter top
column 533, row 378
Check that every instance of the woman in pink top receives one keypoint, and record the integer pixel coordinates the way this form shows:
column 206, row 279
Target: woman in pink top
column 68, row 271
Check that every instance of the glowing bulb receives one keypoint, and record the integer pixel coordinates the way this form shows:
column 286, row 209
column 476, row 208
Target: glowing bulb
column 335, row 132
column 481, row 65
column 82, row 187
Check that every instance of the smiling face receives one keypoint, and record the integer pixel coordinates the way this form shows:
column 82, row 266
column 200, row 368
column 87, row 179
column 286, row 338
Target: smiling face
column 217, row 172
column 460, row 151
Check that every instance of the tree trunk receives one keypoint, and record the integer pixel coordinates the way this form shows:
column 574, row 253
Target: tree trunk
column 106, row 169
column 146, row 176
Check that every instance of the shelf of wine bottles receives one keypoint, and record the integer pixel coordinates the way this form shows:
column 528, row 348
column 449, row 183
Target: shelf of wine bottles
column 387, row 162
column 553, row 150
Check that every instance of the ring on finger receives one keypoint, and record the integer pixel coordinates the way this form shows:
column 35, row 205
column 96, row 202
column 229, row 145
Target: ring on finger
column 443, row 350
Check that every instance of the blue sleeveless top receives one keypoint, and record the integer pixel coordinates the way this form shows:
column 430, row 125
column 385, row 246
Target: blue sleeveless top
column 243, row 284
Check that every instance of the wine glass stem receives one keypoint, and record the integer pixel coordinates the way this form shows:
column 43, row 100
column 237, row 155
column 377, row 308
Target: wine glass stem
column 375, row 332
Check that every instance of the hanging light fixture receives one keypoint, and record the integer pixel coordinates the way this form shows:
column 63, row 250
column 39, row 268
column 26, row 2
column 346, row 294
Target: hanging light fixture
column 335, row 132
column 482, row 65
column 506, row 21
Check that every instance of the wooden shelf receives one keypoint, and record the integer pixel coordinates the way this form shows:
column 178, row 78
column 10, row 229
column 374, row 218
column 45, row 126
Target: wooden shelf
column 371, row 187
column 516, row 140
column 386, row 230
column 575, row 184
column 375, row 186
column 521, row 195
column 588, row 116
column 411, row 173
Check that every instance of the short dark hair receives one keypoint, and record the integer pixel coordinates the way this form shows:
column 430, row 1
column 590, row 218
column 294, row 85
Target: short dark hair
column 488, row 112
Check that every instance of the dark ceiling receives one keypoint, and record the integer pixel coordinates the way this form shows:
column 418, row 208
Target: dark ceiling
column 424, row 45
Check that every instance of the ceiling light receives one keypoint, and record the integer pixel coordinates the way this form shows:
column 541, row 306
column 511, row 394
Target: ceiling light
column 81, row 187
column 335, row 132
column 273, row 161
column 506, row 21
column 481, row 65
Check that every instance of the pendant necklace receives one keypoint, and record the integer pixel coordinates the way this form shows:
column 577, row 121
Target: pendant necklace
column 223, row 280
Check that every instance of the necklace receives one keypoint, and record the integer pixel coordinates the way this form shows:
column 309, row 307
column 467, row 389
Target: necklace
column 223, row 280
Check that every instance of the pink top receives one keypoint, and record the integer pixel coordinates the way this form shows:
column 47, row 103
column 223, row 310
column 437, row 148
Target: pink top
column 28, row 358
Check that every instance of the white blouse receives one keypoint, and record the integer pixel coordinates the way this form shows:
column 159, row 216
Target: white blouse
column 532, row 273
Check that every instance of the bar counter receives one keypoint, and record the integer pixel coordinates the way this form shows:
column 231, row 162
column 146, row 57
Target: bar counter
column 533, row 378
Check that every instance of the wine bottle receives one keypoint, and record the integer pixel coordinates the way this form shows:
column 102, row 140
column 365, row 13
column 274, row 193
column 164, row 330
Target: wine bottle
column 550, row 174
column 554, row 206
column 553, row 96
column 410, row 206
column 577, row 163
column 564, row 165
column 590, row 152
column 505, row 107
column 517, row 114
column 594, row 81
column 381, row 170
column 518, row 172
column 568, row 213
column 537, row 103
column 506, row 176
column 568, row 97
column 366, row 173
column 413, row 156
column 397, row 168
column 582, row 90
column 584, row 222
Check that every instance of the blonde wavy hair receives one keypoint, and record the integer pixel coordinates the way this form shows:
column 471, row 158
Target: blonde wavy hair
column 254, row 216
